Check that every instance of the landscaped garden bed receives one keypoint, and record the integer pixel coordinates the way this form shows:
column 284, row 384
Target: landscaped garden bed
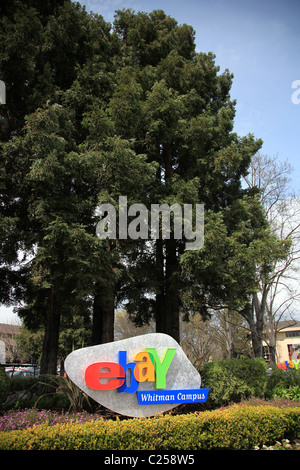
column 243, row 426
column 268, row 419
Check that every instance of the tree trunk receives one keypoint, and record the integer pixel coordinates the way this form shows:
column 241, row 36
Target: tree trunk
column 172, row 291
column 167, row 298
column 271, row 331
column 229, row 335
column 103, row 316
column 255, row 339
column 50, row 344
column 258, row 312
column 254, row 315
column 160, row 290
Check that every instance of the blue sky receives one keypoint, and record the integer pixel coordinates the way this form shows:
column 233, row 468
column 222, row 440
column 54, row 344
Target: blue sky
column 259, row 42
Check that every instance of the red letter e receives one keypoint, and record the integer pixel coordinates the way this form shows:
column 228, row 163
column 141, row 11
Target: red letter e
column 94, row 373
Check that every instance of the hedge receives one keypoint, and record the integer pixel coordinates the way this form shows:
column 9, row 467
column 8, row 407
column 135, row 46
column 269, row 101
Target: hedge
column 237, row 427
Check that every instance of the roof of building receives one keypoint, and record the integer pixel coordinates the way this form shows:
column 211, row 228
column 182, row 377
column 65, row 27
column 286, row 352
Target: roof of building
column 11, row 329
column 282, row 325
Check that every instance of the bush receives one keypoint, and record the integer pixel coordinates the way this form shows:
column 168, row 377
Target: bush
column 22, row 392
column 284, row 383
column 56, row 401
column 23, row 383
column 238, row 427
column 284, row 378
column 235, row 379
column 4, row 385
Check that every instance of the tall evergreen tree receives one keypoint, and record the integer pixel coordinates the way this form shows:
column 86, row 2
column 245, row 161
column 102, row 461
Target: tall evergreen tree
column 184, row 121
column 42, row 45
column 47, row 203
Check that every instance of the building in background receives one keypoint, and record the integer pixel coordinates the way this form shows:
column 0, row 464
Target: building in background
column 287, row 342
column 8, row 345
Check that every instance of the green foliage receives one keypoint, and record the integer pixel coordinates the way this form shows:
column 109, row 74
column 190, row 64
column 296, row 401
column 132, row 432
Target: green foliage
column 284, row 378
column 4, row 385
column 231, row 380
column 180, row 115
column 22, row 392
column 291, row 393
column 43, row 44
column 23, row 383
column 284, row 384
column 239, row 427
column 76, row 398
column 55, row 401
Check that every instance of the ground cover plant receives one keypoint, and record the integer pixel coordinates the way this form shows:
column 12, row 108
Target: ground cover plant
column 24, row 419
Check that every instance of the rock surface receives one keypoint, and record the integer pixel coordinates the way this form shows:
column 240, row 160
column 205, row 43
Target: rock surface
column 180, row 375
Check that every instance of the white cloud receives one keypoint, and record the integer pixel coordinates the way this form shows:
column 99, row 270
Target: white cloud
column 107, row 8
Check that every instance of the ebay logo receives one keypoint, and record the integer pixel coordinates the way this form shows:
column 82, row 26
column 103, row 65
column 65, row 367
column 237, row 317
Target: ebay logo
column 134, row 380
column 147, row 367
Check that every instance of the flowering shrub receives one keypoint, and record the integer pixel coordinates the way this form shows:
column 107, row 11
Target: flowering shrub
column 24, row 419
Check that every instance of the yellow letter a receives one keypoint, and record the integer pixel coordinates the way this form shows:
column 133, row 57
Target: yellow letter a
column 144, row 370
